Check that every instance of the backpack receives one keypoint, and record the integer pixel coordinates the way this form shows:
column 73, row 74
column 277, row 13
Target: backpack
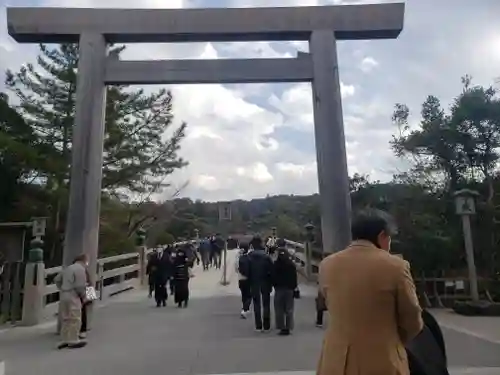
column 244, row 266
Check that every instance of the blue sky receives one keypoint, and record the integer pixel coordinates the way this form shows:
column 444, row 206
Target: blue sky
column 248, row 141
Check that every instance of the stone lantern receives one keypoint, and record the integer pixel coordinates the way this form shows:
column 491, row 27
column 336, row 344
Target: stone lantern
column 465, row 207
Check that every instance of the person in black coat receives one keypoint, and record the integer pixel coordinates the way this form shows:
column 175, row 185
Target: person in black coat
column 162, row 268
column 260, row 277
column 285, row 284
column 150, row 269
column 181, row 278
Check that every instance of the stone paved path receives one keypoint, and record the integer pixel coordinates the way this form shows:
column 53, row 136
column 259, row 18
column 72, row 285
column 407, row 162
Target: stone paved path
column 130, row 336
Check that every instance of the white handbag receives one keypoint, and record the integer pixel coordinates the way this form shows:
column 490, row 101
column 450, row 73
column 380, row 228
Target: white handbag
column 90, row 294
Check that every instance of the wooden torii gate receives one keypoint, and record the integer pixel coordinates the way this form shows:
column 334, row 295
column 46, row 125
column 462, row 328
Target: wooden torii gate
column 94, row 29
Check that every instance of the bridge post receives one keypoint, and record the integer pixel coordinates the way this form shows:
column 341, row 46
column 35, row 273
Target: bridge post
column 143, row 261
column 82, row 228
column 333, row 179
column 34, row 285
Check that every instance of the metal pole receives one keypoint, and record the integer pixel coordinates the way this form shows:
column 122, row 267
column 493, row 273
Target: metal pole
column 469, row 250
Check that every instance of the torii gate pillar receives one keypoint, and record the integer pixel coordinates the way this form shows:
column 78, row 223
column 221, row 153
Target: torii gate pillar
column 82, row 225
column 335, row 200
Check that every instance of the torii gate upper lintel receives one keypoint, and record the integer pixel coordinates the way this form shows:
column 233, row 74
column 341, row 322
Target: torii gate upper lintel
column 65, row 25
column 94, row 29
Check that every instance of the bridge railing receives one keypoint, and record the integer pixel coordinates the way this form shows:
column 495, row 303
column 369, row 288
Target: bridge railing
column 115, row 274
column 433, row 291
column 307, row 265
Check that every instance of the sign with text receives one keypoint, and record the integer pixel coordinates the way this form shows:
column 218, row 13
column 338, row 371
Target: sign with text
column 225, row 211
column 39, row 225
column 465, row 205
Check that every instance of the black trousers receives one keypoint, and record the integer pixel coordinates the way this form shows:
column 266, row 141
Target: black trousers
column 83, row 328
column 246, row 294
column 217, row 259
column 182, row 291
column 161, row 293
column 319, row 317
column 261, row 298
column 205, row 259
column 283, row 308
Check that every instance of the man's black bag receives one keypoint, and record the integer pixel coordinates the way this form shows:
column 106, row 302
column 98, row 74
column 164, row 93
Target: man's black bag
column 427, row 351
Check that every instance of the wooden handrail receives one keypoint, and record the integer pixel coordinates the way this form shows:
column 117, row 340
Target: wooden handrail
column 102, row 276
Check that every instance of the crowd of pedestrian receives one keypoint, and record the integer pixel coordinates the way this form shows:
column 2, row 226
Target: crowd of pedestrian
column 211, row 249
column 375, row 315
column 171, row 265
column 262, row 268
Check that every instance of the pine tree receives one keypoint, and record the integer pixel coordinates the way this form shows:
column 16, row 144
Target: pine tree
column 137, row 157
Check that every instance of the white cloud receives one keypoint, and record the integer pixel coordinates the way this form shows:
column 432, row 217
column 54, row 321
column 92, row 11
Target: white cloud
column 297, row 170
column 368, row 64
column 207, row 182
column 258, row 139
column 346, row 90
column 257, row 172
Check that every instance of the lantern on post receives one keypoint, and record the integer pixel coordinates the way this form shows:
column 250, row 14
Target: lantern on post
column 141, row 237
column 39, row 226
column 141, row 250
column 308, row 249
column 465, row 207
column 36, row 250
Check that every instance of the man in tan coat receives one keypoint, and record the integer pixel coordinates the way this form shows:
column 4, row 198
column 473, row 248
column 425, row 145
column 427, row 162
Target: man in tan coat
column 372, row 304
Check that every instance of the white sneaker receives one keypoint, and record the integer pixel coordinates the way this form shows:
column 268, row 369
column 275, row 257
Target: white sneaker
column 243, row 314
column 82, row 335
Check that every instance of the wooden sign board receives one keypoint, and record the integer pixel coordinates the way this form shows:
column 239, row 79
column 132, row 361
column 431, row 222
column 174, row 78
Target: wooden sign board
column 225, row 211
column 465, row 205
column 39, row 226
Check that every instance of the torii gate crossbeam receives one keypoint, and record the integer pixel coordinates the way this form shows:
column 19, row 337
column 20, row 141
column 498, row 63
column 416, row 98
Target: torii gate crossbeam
column 94, row 29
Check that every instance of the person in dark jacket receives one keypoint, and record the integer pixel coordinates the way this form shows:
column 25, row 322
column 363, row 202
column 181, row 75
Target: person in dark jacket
column 255, row 242
column 260, row 276
column 181, row 278
column 205, row 251
column 168, row 253
column 160, row 275
column 191, row 254
column 218, row 247
column 150, row 269
column 213, row 252
column 243, row 271
column 285, row 283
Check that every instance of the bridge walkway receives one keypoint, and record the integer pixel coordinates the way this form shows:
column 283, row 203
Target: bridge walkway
column 131, row 336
